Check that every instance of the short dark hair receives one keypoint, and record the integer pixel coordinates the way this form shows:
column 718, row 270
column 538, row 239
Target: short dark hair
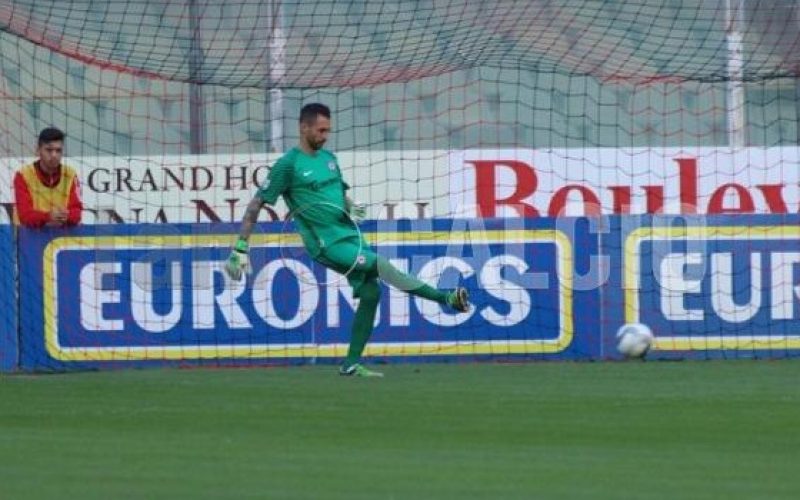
column 310, row 112
column 50, row 134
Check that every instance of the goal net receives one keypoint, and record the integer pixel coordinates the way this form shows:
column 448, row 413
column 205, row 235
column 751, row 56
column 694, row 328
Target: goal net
column 508, row 112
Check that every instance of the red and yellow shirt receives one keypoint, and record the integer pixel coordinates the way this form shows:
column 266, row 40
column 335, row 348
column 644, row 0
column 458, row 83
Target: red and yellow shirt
column 37, row 193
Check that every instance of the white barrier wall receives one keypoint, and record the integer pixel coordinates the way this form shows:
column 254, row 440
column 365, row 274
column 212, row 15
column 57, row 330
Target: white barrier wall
column 439, row 183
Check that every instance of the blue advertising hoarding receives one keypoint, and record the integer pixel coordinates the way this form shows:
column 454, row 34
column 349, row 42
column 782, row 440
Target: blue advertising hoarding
column 709, row 287
column 9, row 348
column 155, row 294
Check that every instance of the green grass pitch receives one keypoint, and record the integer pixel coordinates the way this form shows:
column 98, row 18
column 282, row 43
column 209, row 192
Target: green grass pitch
column 539, row 430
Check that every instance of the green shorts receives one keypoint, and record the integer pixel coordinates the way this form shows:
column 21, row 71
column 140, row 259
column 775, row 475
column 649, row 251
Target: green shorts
column 356, row 261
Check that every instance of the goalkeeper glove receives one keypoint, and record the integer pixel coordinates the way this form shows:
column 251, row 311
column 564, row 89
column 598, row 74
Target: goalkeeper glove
column 238, row 261
column 358, row 212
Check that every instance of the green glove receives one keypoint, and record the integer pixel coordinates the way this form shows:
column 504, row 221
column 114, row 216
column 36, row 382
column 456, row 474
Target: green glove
column 238, row 261
column 358, row 212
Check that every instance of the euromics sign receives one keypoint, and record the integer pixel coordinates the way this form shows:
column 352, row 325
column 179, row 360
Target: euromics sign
column 719, row 284
column 152, row 294
column 716, row 286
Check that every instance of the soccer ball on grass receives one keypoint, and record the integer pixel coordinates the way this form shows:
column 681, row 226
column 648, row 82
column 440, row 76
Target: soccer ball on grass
column 634, row 340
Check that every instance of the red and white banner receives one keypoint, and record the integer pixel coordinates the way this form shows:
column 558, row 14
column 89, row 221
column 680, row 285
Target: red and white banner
column 553, row 182
column 438, row 183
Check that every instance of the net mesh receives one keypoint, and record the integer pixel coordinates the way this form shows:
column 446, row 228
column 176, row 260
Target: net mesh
column 172, row 108
column 410, row 75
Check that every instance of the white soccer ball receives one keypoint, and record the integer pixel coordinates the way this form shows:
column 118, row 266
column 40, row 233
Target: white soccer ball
column 634, row 340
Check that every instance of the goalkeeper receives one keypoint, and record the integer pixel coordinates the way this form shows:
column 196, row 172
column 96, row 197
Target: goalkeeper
column 309, row 179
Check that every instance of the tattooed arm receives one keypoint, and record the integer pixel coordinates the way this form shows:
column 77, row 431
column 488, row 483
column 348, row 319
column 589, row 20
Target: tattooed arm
column 279, row 181
column 250, row 217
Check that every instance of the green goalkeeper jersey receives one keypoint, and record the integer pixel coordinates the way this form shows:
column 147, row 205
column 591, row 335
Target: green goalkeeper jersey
column 313, row 189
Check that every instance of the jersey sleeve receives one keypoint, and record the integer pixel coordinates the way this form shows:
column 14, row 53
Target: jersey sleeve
column 74, row 205
column 345, row 185
column 27, row 214
column 278, row 181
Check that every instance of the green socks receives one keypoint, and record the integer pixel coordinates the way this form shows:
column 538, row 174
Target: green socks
column 407, row 283
column 370, row 295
